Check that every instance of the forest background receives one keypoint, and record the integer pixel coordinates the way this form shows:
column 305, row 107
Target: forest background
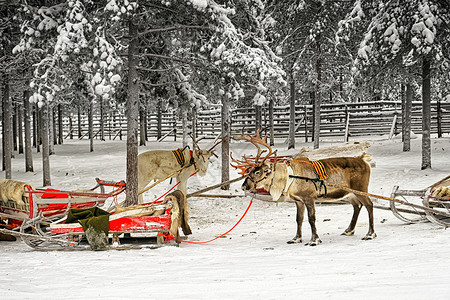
column 59, row 57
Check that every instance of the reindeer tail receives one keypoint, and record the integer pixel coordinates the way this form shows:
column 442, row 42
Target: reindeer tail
column 368, row 159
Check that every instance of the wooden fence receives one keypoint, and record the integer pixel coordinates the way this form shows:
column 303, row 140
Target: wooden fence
column 337, row 120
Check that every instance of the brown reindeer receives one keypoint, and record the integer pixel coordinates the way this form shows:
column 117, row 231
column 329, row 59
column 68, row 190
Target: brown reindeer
column 297, row 179
column 158, row 164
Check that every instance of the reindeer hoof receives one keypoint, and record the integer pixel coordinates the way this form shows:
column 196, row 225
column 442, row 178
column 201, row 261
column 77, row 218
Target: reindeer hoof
column 314, row 242
column 348, row 233
column 369, row 237
column 295, row 241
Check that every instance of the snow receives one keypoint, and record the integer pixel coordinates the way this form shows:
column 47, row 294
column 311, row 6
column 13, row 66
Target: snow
column 253, row 261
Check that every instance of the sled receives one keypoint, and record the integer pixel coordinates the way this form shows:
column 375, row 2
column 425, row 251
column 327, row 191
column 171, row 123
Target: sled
column 405, row 211
column 40, row 222
column 70, row 236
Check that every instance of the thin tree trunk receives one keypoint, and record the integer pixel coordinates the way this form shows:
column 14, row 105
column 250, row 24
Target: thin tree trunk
column 102, row 119
column 45, row 146
column 403, row 100
column 91, row 125
column 258, row 117
column 79, row 121
column 141, row 126
column 225, row 142
column 426, row 114
column 318, row 103
column 271, row 122
column 132, row 111
column 291, row 139
column 20, row 126
column 27, row 111
column 14, row 125
column 60, row 125
column 7, row 148
column 159, row 119
column 51, row 132
column 184, row 121
column 194, row 123
column 407, row 119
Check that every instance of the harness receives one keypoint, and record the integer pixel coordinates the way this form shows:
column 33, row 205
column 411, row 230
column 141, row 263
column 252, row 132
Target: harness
column 179, row 155
column 319, row 170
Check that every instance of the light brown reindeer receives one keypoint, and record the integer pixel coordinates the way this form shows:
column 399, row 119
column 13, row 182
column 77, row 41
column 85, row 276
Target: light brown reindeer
column 296, row 179
column 158, row 164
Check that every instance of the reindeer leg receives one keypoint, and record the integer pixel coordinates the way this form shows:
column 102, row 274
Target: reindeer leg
column 369, row 206
column 300, row 212
column 356, row 209
column 183, row 183
column 315, row 240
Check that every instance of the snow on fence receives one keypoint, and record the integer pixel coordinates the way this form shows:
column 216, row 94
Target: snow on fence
column 344, row 120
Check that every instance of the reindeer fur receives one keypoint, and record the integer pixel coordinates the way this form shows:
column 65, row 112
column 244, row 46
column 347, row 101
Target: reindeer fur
column 13, row 190
column 158, row 164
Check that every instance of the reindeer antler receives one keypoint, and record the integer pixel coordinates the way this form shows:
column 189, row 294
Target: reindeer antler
column 242, row 165
column 250, row 162
column 256, row 139
column 194, row 140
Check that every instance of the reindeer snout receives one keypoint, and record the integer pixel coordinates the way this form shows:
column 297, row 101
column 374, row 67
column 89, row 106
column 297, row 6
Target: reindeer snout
column 245, row 186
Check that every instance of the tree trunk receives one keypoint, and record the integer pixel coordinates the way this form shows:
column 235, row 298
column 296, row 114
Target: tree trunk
column 51, row 132
column 27, row 111
column 407, row 119
column 60, row 125
column 79, row 121
column 271, row 123
column 426, row 114
column 184, row 121
column 132, row 112
column 20, row 126
column 194, row 124
column 291, row 142
column 7, row 147
column 141, row 126
column 102, row 119
column 258, row 117
column 45, row 146
column 225, row 142
column 159, row 119
column 14, row 125
column 318, row 102
column 36, row 128
column 91, row 125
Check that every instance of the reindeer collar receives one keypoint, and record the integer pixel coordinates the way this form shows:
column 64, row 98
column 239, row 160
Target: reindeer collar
column 179, row 155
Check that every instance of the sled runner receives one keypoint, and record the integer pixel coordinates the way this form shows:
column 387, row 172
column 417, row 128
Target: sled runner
column 435, row 197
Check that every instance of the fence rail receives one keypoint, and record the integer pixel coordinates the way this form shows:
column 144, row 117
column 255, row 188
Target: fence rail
column 337, row 120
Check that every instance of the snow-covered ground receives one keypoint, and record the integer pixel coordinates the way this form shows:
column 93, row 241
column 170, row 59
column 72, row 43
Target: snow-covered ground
column 253, row 261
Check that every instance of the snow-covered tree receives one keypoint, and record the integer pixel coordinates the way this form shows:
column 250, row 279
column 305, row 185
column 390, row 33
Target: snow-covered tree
column 304, row 39
column 168, row 43
column 401, row 35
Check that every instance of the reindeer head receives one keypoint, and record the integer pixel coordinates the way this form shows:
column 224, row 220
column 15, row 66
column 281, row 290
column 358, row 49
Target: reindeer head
column 201, row 157
column 257, row 169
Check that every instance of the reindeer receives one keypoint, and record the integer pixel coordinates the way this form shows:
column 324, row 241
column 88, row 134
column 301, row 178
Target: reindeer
column 158, row 164
column 297, row 179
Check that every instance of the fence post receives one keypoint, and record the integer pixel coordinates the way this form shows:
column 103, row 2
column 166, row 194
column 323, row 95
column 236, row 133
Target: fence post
column 305, row 108
column 174, row 127
column 439, row 118
column 159, row 119
column 347, row 124
column 271, row 124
